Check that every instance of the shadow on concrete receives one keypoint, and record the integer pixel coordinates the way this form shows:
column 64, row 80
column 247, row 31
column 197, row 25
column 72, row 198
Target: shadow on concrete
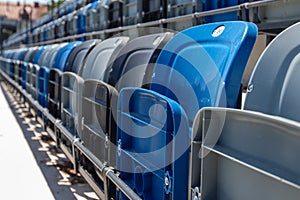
column 63, row 182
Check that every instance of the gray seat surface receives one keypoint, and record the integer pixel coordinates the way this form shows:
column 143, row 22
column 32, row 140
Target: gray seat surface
column 78, row 55
column 273, row 87
column 245, row 155
column 101, row 56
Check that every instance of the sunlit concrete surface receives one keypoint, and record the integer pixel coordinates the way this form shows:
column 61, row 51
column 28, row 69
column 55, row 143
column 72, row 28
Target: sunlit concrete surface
column 31, row 167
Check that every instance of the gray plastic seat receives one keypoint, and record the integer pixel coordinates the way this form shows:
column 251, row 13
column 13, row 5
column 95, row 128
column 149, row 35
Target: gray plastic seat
column 61, row 24
column 257, row 148
column 274, row 83
column 153, row 10
column 44, row 58
column 182, row 7
column 103, row 53
column 115, row 14
column 244, row 155
column 71, row 23
column 34, row 69
column 132, row 12
column 280, row 11
column 100, row 17
column 133, row 63
column 27, row 61
column 96, row 63
column 78, row 56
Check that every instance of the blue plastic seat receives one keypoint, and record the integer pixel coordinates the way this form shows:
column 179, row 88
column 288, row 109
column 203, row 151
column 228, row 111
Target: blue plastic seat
column 217, row 4
column 58, row 58
column 38, row 54
column 201, row 66
column 81, row 25
column 45, row 63
column 63, row 55
column 57, row 62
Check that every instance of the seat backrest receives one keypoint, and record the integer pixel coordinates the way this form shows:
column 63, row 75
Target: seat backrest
column 89, row 16
column 43, row 77
column 71, row 88
column 48, row 54
column 100, row 57
column 63, row 54
column 274, row 83
column 204, row 70
column 153, row 10
column 115, row 14
column 182, row 7
column 137, row 59
column 101, row 16
column 29, row 56
column 38, row 54
column 77, row 57
column 132, row 12
column 81, row 20
column 49, row 60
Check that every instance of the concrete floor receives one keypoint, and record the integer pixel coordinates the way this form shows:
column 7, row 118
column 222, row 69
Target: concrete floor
column 31, row 167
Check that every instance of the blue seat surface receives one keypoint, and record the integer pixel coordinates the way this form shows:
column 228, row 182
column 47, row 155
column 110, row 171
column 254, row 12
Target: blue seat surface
column 153, row 146
column 38, row 54
column 43, row 77
column 207, row 61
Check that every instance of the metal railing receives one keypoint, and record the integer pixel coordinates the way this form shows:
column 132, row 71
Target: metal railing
column 162, row 22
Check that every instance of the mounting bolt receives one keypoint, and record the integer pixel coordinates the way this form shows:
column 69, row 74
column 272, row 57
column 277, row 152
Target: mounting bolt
column 107, row 142
column 82, row 123
column 166, row 181
column 250, row 88
column 119, row 147
column 196, row 194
